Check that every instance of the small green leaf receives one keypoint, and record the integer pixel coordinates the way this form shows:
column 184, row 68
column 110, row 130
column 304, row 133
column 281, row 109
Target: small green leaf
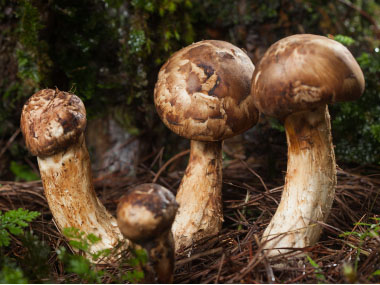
column 23, row 172
column 14, row 230
column 312, row 262
column 318, row 272
column 13, row 221
column 9, row 275
column 344, row 40
column 376, row 273
column 142, row 256
column 81, row 245
column 72, row 232
column 4, row 238
column 93, row 238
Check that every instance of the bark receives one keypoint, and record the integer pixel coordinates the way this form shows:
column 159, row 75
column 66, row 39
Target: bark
column 199, row 195
column 69, row 190
column 309, row 184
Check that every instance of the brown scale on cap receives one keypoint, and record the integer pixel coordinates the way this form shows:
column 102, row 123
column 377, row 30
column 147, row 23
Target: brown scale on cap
column 52, row 121
column 302, row 72
column 203, row 91
column 145, row 215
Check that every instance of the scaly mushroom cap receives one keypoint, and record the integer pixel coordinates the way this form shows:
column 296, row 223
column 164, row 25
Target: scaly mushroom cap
column 302, row 72
column 202, row 92
column 51, row 120
column 145, row 212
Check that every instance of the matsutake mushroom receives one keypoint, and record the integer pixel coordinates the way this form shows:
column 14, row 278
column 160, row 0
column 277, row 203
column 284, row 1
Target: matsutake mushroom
column 202, row 94
column 145, row 216
column 294, row 81
column 53, row 123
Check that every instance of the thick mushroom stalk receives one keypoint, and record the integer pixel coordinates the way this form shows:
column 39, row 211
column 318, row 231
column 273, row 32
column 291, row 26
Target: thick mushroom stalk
column 145, row 215
column 294, row 81
column 202, row 94
column 201, row 211
column 309, row 184
column 53, row 123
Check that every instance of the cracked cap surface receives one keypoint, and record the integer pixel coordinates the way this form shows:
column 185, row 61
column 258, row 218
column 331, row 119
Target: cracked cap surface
column 302, row 72
column 145, row 212
column 203, row 90
column 51, row 120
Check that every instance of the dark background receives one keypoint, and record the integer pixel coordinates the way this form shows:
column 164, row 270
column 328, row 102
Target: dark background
column 109, row 53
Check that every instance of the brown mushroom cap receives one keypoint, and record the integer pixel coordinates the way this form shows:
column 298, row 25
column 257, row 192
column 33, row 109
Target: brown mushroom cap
column 145, row 212
column 302, row 72
column 202, row 92
column 51, row 120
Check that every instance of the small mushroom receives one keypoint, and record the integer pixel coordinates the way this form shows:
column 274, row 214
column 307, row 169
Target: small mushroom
column 145, row 215
column 202, row 94
column 52, row 123
column 294, row 81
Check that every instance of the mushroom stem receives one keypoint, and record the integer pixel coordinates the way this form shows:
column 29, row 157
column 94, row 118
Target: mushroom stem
column 161, row 256
column 199, row 195
column 67, row 181
column 309, row 184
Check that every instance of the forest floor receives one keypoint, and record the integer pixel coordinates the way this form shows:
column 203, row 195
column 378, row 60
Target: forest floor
column 348, row 250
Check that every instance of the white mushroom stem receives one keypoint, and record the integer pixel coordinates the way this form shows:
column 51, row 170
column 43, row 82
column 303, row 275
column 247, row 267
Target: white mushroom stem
column 309, row 184
column 69, row 190
column 199, row 195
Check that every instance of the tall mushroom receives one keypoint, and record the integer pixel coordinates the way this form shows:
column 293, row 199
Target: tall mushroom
column 294, row 81
column 202, row 94
column 145, row 215
column 53, row 123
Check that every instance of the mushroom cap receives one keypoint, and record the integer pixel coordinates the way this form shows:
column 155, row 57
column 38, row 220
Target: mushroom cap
column 145, row 212
column 302, row 72
column 202, row 92
column 51, row 120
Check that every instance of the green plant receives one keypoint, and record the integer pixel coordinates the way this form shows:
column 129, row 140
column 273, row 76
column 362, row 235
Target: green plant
column 365, row 233
column 317, row 270
column 86, row 269
column 79, row 264
column 357, row 124
column 344, row 40
column 23, row 172
column 35, row 259
column 138, row 260
column 13, row 221
column 11, row 274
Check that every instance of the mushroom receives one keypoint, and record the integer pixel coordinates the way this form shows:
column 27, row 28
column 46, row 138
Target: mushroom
column 52, row 123
column 202, row 94
column 145, row 215
column 294, row 81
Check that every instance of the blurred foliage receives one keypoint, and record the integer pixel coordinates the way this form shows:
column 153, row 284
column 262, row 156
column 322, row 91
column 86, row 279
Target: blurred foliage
column 23, row 172
column 12, row 222
column 366, row 232
column 109, row 52
column 87, row 271
column 317, row 270
column 356, row 125
column 35, row 264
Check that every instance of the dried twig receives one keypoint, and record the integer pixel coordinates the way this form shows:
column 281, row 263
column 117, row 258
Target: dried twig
column 9, row 142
